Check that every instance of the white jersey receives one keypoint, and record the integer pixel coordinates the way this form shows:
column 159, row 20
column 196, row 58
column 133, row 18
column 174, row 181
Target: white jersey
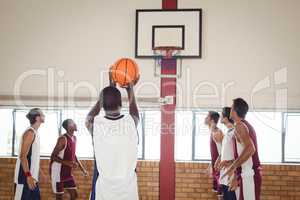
column 227, row 152
column 115, row 148
column 247, row 167
column 248, row 179
column 33, row 158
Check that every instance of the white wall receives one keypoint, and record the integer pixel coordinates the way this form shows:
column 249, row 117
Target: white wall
column 243, row 42
column 246, row 42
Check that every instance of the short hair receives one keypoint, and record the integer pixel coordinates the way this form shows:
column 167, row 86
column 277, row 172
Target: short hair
column 240, row 106
column 65, row 124
column 32, row 114
column 112, row 99
column 214, row 116
column 226, row 113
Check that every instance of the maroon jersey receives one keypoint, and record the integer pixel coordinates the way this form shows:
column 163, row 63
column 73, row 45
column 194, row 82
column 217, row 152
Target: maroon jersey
column 214, row 156
column 249, row 172
column 213, row 150
column 59, row 172
column 255, row 162
column 255, row 156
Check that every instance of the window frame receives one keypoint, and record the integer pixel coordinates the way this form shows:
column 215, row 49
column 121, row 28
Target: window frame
column 175, row 133
column 59, row 110
column 142, row 121
column 284, row 118
column 195, row 111
column 59, row 121
column 284, row 134
column 59, row 117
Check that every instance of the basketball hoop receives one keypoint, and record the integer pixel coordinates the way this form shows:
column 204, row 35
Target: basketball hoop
column 166, row 53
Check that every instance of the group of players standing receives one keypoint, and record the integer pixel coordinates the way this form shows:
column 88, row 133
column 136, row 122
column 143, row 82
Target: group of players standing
column 115, row 142
column 235, row 163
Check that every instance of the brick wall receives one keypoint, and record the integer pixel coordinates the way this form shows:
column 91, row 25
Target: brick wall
column 148, row 178
column 192, row 182
column 280, row 182
column 7, row 166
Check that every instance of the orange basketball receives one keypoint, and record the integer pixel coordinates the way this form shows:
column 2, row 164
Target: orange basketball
column 125, row 71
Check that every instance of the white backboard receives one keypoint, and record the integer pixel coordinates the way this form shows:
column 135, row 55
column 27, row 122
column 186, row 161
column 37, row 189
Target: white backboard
column 180, row 28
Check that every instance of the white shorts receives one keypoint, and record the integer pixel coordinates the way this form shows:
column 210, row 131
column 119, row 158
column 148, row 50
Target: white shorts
column 251, row 185
column 58, row 187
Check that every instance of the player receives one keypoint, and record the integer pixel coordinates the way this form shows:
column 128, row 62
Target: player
column 227, row 154
column 115, row 142
column 216, row 137
column 64, row 161
column 28, row 161
column 247, row 164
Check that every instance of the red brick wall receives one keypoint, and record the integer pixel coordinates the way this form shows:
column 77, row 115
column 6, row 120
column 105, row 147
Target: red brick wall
column 148, row 179
column 7, row 166
column 280, row 182
column 192, row 182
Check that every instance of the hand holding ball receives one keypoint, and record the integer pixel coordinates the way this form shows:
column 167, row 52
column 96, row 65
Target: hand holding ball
column 124, row 72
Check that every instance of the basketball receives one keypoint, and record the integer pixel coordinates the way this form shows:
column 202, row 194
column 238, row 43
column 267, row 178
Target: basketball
column 125, row 71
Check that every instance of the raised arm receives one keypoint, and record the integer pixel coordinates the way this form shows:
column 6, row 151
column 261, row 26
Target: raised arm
column 91, row 115
column 133, row 109
column 96, row 108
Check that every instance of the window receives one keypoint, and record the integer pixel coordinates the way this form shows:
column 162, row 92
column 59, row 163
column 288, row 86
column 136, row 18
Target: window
column 84, row 145
column 21, row 123
column 183, row 135
column 6, row 130
column 292, row 138
column 152, row 129
column 48, row 130
column 268, row 127
column 277, row 133
column 202, row 147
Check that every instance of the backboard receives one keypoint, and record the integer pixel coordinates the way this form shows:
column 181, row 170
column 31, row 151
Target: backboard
column 168, row 28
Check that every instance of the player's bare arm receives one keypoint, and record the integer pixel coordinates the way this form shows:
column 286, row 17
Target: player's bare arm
column 133, row 109
column 27, row 140
column 244, row 137
column 91, row 115
column 218, row 136
column 81, row 167
column 217, row 163
column 60, row 145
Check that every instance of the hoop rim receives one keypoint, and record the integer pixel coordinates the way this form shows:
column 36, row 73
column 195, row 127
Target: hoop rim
column 166, row 51
column 167, row 48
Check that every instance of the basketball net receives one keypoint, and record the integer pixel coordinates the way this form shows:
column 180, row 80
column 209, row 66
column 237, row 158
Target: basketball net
column 166, row 52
